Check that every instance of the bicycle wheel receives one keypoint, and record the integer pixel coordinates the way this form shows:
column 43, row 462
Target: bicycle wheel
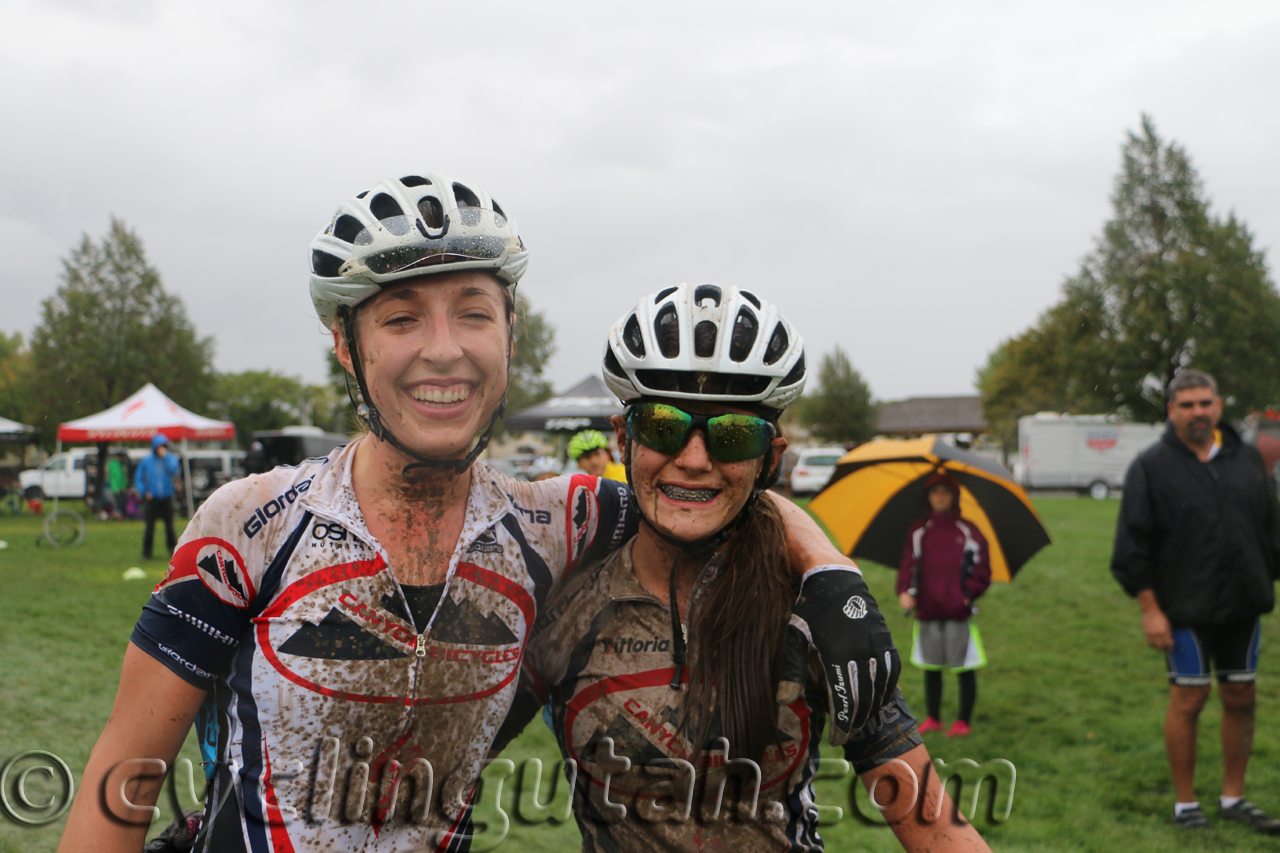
column 64, row 528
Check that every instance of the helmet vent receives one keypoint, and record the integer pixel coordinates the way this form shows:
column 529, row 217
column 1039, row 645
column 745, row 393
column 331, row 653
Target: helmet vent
column 465, row 197
column 796, row 374
column 324, row 264
column 432, row 211
column 497, row 208
column 663, row 294
column 745, row 327
column 634, row 339
column 363, row 194
column 347, row 227
column 666, row 328
column 750, row 297
column 704, row 339
column 384, row 206
column 707, row 291
column 703, row 384
column 611, row 363
column 777, row 345
column 415, row 181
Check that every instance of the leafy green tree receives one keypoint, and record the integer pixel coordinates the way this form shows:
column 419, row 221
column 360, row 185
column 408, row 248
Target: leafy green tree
column 535, row 344
column 258, row 400
column 343, row 416
column 1167, row 286
column 13, row 369
column 1039, row 370
column 108, row 330
column 841, row 411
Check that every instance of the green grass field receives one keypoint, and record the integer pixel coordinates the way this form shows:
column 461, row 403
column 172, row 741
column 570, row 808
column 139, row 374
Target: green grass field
column 1072, row 697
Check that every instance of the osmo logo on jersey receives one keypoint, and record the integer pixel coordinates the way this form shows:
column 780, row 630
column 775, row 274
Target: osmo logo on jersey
column 274, row 507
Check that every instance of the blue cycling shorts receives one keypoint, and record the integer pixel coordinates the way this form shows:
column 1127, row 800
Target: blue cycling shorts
column 1232, row 649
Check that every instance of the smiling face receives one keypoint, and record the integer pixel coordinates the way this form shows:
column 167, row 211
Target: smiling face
column 434, row 352
column 1194, row 413
column 690, row 496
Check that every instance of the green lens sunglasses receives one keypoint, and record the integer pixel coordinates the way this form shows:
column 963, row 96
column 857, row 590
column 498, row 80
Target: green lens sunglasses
column 730, row 437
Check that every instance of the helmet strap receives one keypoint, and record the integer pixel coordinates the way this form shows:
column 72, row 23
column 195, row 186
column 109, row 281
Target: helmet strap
column 373, row 419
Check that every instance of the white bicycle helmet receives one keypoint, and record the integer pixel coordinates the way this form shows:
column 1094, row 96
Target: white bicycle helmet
column 417, row 225
column 544, row 465
column 705, row 342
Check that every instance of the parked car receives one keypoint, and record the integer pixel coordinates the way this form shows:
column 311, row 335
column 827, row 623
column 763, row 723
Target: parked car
column 289, row 446
column 212, row 468
column 66, row 474
column 814, row 468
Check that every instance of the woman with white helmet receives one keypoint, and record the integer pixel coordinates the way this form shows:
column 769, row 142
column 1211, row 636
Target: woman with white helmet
column 685, row 657
column 349, row 631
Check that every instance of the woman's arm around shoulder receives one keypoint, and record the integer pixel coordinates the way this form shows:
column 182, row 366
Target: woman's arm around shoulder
column 807, row 546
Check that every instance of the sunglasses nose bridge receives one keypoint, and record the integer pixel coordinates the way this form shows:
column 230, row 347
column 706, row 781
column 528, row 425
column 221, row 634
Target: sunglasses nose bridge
column 690, row 455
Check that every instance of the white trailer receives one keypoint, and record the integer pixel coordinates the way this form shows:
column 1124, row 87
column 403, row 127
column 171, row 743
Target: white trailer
column 1088, row 453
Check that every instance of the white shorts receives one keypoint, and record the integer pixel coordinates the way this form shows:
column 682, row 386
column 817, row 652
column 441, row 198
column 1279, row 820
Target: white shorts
column 947, row 644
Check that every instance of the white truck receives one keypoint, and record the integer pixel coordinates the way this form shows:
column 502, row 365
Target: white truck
column 1088, row 453
column 65, row 475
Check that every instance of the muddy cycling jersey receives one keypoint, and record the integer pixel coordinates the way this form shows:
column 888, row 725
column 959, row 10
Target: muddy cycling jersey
column 334, row 721
column 601, row 657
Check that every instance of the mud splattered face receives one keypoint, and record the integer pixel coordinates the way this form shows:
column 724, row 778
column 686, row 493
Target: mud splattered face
column 690, row 495
column 434, row 351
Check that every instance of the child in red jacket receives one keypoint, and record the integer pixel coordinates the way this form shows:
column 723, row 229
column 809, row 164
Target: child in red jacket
column 944, row 568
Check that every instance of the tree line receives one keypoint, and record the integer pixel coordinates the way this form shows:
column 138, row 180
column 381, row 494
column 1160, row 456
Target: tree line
column 1168, row 285
column 111, row 327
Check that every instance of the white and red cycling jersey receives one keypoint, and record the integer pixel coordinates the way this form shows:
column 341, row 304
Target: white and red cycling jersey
column 334, row 721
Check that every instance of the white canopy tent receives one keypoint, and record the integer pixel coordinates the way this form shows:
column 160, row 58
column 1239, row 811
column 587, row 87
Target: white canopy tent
column 14, row 431
column 142, row 416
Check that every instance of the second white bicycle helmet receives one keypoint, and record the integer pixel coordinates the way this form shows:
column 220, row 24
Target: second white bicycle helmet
column 417, row 225
column 705, row 342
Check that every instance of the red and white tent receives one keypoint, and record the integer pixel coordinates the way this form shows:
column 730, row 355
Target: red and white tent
column 143, row 415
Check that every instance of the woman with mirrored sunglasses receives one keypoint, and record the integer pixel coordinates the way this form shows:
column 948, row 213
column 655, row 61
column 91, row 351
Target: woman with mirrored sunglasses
column 693, row 655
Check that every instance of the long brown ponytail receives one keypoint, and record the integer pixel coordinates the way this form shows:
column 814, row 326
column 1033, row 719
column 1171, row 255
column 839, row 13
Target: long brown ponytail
column 737, row 637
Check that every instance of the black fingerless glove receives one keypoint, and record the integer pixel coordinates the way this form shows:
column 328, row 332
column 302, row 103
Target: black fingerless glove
column 859, row 660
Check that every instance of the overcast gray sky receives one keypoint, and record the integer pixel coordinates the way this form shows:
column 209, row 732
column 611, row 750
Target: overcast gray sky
column 911, row 181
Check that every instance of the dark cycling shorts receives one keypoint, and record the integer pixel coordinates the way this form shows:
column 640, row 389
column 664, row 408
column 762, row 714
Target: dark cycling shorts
column 1232, row 648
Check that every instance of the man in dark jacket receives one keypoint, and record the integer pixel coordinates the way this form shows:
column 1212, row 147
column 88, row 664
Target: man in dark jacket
column 1197, row 543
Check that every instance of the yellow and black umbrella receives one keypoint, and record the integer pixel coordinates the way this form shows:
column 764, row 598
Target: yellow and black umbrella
column 876, row 493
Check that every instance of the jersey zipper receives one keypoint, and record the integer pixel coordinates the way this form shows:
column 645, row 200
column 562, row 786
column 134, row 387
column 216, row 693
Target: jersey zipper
column 421, row 650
